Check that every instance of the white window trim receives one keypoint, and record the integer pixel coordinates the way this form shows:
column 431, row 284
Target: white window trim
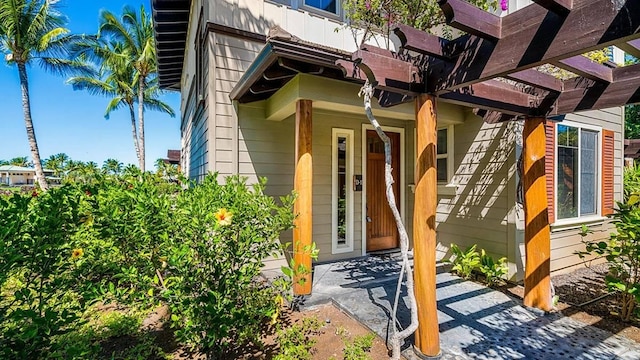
column 562, row 223
column 348, row 247
column 446, row 188
column 403, row 170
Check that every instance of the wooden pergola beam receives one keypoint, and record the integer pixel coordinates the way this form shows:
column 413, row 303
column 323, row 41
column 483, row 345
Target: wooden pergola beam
column 583, row 66
column 471, row 19
column 560, row 7
column 583, row 94
column 419, row 41
column 631, row 47
column 383, row 70
column 492, row 95
column 537, row 79
column 532, row 36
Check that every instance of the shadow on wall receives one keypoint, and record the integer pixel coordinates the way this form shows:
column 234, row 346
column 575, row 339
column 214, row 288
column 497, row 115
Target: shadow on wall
column 485, row 171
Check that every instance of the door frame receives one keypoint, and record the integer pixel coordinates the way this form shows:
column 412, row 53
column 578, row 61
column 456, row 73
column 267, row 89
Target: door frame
column 401, row 186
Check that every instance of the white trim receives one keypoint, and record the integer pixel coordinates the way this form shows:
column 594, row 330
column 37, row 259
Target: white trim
column 302, row 4
column 598, row 215
column 403, row 202
column 348, row 247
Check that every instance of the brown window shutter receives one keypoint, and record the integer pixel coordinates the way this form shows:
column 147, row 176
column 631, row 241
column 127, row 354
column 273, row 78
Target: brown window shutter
column 607, row 171
column 549, row 165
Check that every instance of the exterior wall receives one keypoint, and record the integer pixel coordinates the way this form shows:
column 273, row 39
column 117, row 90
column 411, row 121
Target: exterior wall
column 484, row 172
column 266, row 149
column 565, row 240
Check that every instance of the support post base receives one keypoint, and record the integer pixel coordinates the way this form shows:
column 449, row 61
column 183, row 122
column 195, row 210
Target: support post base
column 421, row 356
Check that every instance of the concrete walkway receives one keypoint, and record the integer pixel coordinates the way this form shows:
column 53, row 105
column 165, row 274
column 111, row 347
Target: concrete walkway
column 475, row 322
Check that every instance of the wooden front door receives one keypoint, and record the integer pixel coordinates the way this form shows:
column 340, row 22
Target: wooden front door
column 382, row 232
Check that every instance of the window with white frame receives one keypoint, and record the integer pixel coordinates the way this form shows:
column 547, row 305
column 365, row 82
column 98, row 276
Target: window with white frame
column 342, row 190
column 577, row 171
column 444, row 154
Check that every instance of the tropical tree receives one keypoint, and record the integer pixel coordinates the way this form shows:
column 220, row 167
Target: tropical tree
column 112, row 166
column 4, row 162
column 136, row 33
column 33, row 30
column 57, row 163
column 20, row 161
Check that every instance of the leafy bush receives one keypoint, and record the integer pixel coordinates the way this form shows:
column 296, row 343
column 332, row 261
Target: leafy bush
column 295, row 342
column 464, row 261
column 359, row 347
column 622, row 252
column 223, row 234
column 140, row 240
column 42, row 289
column 493, row 271
column 631, row 178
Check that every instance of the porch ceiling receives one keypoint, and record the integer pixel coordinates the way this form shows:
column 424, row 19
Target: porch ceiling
column 171, row 23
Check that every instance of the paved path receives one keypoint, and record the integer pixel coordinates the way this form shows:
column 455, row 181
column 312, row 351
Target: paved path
column 475, row 322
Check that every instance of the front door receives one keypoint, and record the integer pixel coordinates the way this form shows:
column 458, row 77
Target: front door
column 382, row 232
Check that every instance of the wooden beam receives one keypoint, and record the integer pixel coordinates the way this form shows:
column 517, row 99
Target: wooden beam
column 303, row 184
column 584, row 94
column 560, row 7
column 419, row 41
column 583, row 66
column 492, row 95
column 537, row 79
column 537, row 233
column 631, row 47
column 471, row 19
column 383, row 70
column 533, row 36
column 427, row 337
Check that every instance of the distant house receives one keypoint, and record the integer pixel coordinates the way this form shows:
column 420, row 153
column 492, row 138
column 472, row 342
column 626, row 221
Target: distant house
column 631, row 151
column 243, row 92
column 173, row 157
column 20, row 175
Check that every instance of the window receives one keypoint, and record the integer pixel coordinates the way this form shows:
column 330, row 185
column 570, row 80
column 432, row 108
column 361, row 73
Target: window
column 444, row 155
column 577, row 171
column 201, row 53
column 325, row 5
column 342, row 191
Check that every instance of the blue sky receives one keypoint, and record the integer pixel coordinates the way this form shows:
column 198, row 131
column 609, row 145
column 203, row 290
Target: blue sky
column 73, row 122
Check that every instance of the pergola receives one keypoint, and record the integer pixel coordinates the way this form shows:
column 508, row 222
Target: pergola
column 493, row 68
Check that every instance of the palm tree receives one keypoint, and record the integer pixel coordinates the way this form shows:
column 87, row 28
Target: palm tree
column 57, row 163
column 4, row 162
column 33, row 30
column 112, row 166
column 136, row 32
column 20, row 161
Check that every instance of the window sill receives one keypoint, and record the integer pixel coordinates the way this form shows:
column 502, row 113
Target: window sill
column 447, row 189
column 572, row 224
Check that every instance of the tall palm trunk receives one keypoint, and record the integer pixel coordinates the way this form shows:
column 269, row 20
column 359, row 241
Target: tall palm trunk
column 141, row 85
column 31, row 134
column 134, row 132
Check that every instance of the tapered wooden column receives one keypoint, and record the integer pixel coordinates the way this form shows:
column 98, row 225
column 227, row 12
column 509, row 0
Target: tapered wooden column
column 303, row 181
column 537, row 236
column 424, row 227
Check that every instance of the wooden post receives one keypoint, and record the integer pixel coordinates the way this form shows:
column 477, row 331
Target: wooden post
column 424, row 227
column 537, row 236
column 303, row 181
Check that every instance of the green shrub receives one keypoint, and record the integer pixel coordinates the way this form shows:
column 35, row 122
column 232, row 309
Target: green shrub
column 622, row 253
column 464, row 262
column 631, row 179
column 296, row 342
column 42, row 284
column 222, row 235
column 359, row 347
column 493, row 271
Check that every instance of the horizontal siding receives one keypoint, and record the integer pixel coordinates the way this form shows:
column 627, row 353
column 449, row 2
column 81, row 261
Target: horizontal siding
column 483, row 171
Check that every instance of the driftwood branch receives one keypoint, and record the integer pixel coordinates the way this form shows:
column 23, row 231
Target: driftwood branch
column 398, row 336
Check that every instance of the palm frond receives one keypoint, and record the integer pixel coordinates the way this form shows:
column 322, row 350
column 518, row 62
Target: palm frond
column 114, row 104
column 158, row 105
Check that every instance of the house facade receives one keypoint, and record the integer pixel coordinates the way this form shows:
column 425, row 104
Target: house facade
column 19, row 175
column 243, row 85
